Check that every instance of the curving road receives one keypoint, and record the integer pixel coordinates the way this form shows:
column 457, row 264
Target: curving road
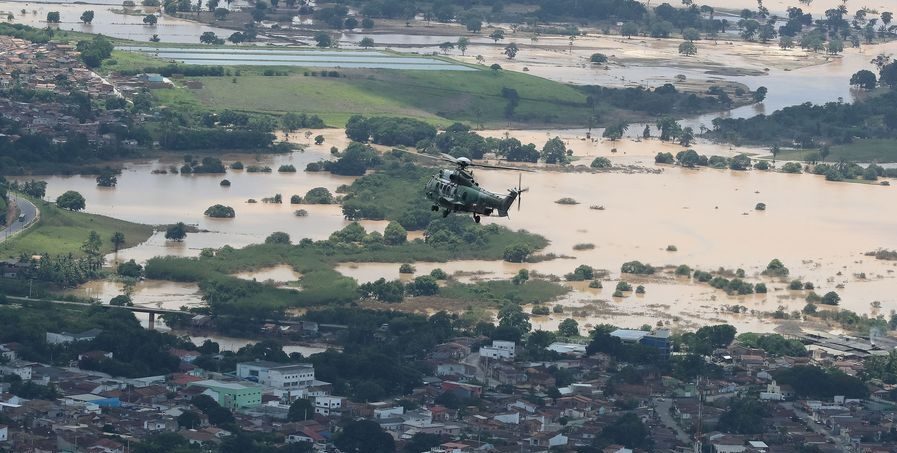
column 30, row 212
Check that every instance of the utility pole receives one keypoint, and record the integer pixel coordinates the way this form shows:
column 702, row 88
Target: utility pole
column 699, row 429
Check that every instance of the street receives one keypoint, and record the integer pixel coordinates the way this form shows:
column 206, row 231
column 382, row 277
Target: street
column 28, row 209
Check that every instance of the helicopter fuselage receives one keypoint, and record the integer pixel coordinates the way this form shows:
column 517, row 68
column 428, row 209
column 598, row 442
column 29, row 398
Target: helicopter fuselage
column 456, row 191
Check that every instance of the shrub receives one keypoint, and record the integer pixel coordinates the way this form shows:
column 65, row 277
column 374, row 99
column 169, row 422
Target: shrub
column 287, row 169
column 623, row 286
column 517, row 253
column 618, row 293
column 278, row 237
column 760, row 207
column 640, row 289
column 792, row 167
column 220, row 211
column 598, row 58
column 295, row 199
column 775, row 268
column 601, row 162
column 760, row 288
column 831, row 298
column 664, row 158
column 583, row 246
column 672, row 248
column 406, row 269
column 637, row 267
column 762, row 165
column 225, row 183
column 683, row 270
column 581, row 273
column 236, row 165
column 567, row 201
column 319, row 195
column 795, row 285
column 300, row 213
column 540, row 310
column 438, row 274
column 595, row 284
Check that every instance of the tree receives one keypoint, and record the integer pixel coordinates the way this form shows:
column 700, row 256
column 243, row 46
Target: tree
column 831, row 298
column 517, row 253
column 511, row 50
column 690, row 34
column 150, row 19
column 554, row 151
column 107, row 178
column 629, row 431
column 864, row 79
column 568, row 328
column 474, row 24
column 495, row 67
column 53, row 17
column 237, row 37
column 394, row 234
column 117, row 240
column 91, row 248
column 189, row 420
column 462, row 44
column 367, row 23
column 176, row 232
column 221, row 13
column 351, row 23
column 786, row 42
column 301, row 410
column 446, row 46
column 212, row 5
column 688, row 49
column 888, row 75
column 835, row 46
column 686, row 137
column 366, row 42
column 497, row 35
column 744, row 416
column 511, row 316
column 760, row 94
column 629, row 29
column 209, row 38
column 278, row 237
column 71, row 200
column 87, row 16
column 322, row 39
column 364, row 436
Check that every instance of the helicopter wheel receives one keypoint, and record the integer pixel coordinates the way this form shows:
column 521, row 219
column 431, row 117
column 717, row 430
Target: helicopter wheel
column 445, row 213
column 434, row 208
column 476, row 219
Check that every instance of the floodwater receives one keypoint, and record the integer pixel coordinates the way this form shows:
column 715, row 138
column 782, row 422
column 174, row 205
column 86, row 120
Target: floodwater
column 819, row 229
column 108, row 22
column 302, row 58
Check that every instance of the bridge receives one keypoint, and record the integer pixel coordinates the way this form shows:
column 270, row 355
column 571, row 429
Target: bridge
column 152, row 311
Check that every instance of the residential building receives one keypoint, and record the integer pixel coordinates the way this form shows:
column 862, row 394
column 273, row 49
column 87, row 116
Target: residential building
column 499, row 350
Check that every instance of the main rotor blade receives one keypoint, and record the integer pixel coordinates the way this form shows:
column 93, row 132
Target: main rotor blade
column 441, row 157
column 499, row 167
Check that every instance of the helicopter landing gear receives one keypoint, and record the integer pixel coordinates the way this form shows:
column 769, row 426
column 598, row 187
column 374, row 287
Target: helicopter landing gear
column 476, row 218
column 434, row 208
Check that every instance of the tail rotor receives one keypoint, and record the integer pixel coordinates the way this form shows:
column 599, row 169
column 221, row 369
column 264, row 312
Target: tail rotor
column 520, row 190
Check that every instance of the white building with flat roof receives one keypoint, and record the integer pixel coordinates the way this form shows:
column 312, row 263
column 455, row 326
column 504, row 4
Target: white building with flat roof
column 499, row 350
column 278, row 375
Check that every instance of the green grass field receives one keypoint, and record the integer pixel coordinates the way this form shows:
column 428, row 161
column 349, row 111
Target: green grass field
column 440, row 97
column 875, row 150
column 60, row 232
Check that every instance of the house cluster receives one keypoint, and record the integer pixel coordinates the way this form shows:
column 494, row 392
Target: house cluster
column 794, row 421
column 49, row 68
column 484, row 396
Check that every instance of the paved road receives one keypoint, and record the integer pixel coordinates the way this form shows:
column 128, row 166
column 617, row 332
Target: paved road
column 663, row 411
column 28, row 209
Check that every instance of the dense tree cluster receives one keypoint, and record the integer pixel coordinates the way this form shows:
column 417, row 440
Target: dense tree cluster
column 389, row 131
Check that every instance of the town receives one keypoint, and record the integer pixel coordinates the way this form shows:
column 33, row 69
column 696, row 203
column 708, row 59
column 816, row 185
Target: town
column 623, row 387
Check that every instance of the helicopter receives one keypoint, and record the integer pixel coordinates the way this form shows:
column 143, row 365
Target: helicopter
column 455, row 190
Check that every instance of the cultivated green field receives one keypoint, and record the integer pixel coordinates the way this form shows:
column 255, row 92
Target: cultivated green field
column 882, row 151
column 60, row 232
column 440, row 97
